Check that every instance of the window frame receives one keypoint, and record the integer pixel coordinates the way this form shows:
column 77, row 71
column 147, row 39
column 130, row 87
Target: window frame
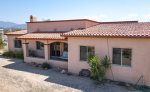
column 121, row 61
column 86, row 52
column 16, row 42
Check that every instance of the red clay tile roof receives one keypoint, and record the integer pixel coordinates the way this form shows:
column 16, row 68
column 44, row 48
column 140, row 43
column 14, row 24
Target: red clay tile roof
column 114, row 30
column 21, row 32
column 42, row 36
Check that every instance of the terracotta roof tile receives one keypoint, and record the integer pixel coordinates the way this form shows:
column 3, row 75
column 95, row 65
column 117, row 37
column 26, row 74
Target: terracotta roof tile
column 42, row 36
column 114, row 30
column 21, row 32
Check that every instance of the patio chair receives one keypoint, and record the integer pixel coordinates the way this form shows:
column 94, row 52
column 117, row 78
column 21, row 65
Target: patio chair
column 64, row 55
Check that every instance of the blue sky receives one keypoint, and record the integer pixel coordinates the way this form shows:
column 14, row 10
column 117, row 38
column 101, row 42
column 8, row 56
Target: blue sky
column 101, row 10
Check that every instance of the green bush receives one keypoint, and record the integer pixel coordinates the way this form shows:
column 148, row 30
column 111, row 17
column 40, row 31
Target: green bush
column 46, row 66
column 2, row 44
column 106, row 62
column 8, row 54
column 13, row 54
column 19, row 54
column 98, row 67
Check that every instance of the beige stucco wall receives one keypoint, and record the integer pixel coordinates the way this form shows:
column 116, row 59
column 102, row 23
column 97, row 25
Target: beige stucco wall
column 140, row 57
column 58, row 26
column 11, row 45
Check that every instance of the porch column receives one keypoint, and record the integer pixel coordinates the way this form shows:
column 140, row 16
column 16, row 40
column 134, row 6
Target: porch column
column 46, row 51
column 25, row 49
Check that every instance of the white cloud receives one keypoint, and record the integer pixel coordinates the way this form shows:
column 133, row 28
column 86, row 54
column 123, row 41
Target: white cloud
column 129, row 17
column 143, row 18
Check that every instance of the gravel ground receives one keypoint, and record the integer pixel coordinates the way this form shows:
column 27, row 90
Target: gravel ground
column 16, row 76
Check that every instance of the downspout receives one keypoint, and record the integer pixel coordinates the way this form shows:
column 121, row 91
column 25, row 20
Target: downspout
column 108, row 52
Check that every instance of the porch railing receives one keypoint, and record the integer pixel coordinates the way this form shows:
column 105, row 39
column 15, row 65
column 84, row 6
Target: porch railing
column 34, row 53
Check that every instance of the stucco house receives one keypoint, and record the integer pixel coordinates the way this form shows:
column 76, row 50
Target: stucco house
column 67, row 43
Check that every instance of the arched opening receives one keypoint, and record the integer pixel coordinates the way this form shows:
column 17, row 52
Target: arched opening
column 36, row 49
column 59, row 51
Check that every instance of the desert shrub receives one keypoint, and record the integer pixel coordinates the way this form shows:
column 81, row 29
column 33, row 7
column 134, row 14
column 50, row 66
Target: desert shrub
column 46, row 66
column 105, row 62
column 2, row 44
column 13, row 54
column 8, row 54
column 19, row 54
column 143, row 88
column 98, row 67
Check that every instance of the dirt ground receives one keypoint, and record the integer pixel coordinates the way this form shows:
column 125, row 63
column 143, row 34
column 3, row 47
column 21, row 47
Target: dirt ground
column 16, row 76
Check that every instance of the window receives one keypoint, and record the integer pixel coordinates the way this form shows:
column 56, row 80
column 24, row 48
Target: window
column 65, row 47
column 59, row 51
column 85, row 51
column 55, row 49
column 122, row 56
column 39, row 45
column 17, row 43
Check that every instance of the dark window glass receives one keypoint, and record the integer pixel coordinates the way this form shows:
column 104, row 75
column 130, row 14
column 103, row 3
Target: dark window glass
column 126, row 57
column 85, row 52
column 18, row 44
column 55, row 49
column 65, row 47
column 117, row 56
column 39, row 45
column 122, row 56
column 91, row 51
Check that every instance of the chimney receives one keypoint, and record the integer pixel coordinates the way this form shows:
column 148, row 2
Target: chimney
column 33, row 18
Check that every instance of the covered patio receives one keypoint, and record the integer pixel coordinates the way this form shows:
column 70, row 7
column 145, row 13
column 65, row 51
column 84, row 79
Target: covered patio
column 45, row 47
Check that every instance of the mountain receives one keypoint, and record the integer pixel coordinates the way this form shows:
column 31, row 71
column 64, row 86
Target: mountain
column 7, row 25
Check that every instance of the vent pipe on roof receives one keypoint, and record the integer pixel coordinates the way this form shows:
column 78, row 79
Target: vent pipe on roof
column 33, row 18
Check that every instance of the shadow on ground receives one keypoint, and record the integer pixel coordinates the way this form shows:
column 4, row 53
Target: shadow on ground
column 81, row 83
column 53, row 76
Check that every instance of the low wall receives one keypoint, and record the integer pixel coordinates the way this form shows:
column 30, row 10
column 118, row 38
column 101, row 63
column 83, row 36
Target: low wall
column 54, row 63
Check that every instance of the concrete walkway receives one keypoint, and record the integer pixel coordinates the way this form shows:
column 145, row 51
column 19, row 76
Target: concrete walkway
column 16, row 76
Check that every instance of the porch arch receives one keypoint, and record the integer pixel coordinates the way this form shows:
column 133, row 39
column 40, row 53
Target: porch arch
column 59, row 50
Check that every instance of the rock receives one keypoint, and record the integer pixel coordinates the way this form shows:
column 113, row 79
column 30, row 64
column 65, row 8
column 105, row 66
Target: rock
column 32, row 63
column 63, row 71
column 68, row 73
column 84, row 72
column 37, row 65
column 128, row 85
column 121, row 83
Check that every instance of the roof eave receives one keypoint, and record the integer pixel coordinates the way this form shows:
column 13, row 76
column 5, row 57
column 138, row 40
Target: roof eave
column 14, row 34
column 106, row 36
column 40, row 39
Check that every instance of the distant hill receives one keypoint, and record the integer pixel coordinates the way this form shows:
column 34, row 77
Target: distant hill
column 7, row 25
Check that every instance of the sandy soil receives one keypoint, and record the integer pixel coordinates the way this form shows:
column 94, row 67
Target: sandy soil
column 16, row 76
